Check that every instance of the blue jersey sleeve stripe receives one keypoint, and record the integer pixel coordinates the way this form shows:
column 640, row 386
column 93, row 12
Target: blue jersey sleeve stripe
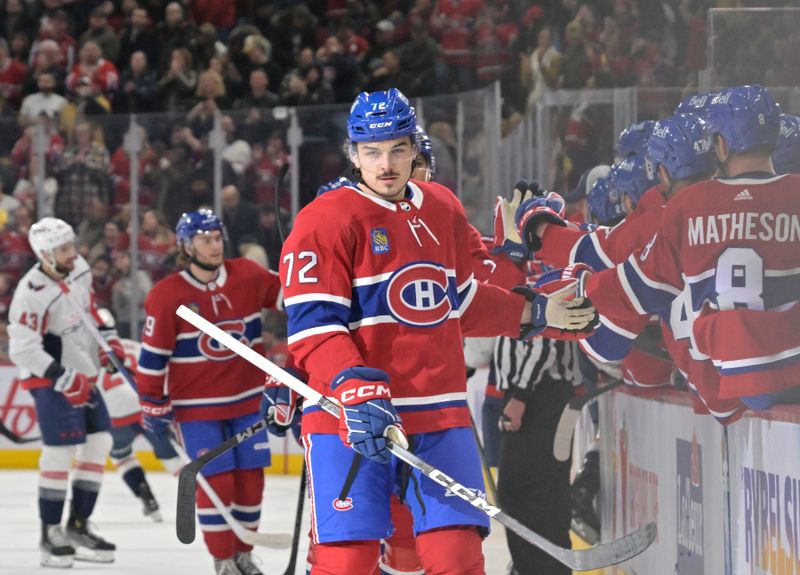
column 308, row 316
column 647, row 297
column 606, row 345
column 589, row 252
column 152, row 361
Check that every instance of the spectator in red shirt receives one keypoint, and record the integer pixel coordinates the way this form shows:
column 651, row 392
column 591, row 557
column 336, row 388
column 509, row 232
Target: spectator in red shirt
column 12, row 76
column 102, row 73
column 221, row 14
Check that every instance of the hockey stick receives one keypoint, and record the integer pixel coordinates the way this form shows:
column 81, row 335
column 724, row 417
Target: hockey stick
column 579, row 560
column 13, row 437
column 298, row 521
column 484, row 463
column 562, row 443
column 245, row 535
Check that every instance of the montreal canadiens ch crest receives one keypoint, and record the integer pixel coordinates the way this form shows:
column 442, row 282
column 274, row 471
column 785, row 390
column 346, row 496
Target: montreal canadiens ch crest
column 417, row 295
column 215, row 351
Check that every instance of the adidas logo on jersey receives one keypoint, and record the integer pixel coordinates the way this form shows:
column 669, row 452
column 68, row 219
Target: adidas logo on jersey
column 743, row 195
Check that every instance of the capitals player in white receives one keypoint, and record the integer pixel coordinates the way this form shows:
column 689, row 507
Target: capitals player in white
column 58, row 359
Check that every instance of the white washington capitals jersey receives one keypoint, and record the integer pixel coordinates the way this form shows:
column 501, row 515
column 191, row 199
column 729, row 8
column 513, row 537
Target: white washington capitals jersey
column 44, row 327
column 389, row 285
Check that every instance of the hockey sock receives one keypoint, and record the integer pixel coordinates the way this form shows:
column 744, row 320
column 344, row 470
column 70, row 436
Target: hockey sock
column 54, row 464
column 351, row 557
column 248, row 492
column 132, row 472
column 451, row 551
column 220, row 540
column 399, row 551
column 89, row 466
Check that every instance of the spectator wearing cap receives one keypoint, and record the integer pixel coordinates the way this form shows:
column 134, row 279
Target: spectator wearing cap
column 12, row 76
column 418, row 58
column 137, row 87
column 44, row 101
column 101, row 34
column 175, row 31
column 102, row 74
column 176, row 87
column 577, row 209
column 138, row 36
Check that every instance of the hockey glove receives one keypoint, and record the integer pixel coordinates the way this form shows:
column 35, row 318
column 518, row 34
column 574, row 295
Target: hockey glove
column 278, row 406
column 557, row 311
column 75, row 387
column 506, row 238
column 157, row 416
column 367, row 410
column 543, row 207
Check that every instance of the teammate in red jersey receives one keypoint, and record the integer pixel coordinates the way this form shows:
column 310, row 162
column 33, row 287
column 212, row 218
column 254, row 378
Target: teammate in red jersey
column 379, row 292
column 209, row 392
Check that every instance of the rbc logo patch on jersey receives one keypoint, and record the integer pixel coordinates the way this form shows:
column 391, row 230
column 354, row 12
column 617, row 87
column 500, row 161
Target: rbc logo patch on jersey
column 380, row 241
column 417, row 295
column 214, row 350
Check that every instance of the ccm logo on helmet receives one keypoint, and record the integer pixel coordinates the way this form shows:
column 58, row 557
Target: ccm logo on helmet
column 215, row 351
column 365, row 392
column 417, row 295
column 380, row 125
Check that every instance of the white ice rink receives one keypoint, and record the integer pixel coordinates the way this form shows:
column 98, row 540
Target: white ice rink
column 144, row 547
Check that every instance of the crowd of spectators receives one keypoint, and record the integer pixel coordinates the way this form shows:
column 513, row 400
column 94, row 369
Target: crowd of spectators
column 72, row 70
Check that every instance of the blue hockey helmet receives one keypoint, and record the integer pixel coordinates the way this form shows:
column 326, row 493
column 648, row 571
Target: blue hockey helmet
column 632, row 139
column 683, row 146
column 197, row 222
column 339, row 182
column 379, row 116
column 630, row 177
column 695, row 104
column 786, row 157
column 604, row 203
column 426, row 150
column 747, row 117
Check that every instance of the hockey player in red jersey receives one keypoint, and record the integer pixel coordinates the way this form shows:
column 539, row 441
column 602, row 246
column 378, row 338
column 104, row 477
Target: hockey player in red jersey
column 724, row 247
column 379, row 292
column 208, row 392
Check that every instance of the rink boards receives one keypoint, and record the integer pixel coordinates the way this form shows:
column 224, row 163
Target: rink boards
column 726, row 500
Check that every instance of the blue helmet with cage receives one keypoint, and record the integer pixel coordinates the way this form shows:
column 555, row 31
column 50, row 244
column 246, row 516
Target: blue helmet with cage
column 426, row 150
column 197, row 222
column 747, row 117
column 339, row 182
column 695, row 104
column 683, row 146
column 604, row 204
column 631, row 177
column 786, row 157
column 380, row 116
column 632, row 139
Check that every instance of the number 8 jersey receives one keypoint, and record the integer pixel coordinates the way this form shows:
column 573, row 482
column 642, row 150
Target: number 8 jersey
column 726, row 249
column 389, row 285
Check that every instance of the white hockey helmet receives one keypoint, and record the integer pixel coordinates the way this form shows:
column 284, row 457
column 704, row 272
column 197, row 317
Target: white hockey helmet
column 47, row 234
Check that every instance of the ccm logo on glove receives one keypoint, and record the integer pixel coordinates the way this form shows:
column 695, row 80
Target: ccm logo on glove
column 365, row 392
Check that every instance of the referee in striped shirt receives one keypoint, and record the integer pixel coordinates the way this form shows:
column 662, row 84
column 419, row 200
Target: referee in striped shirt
column 537, row 378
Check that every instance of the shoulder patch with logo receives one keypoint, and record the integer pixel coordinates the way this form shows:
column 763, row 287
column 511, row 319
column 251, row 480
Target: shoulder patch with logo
column 380, row 241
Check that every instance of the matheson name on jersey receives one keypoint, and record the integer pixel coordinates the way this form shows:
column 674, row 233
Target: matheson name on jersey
column 765, row 226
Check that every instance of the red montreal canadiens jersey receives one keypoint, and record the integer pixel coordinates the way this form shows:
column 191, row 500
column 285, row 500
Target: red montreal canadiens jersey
column 390, row 285
column 724, row 245
column 203, row 379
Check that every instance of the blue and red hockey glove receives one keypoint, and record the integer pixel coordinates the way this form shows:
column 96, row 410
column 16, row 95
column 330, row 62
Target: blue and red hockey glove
column 75, row 387
column 506, row 238
column 279, row 407
column 367, row 410
column 541, row 207
column 157, row 416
